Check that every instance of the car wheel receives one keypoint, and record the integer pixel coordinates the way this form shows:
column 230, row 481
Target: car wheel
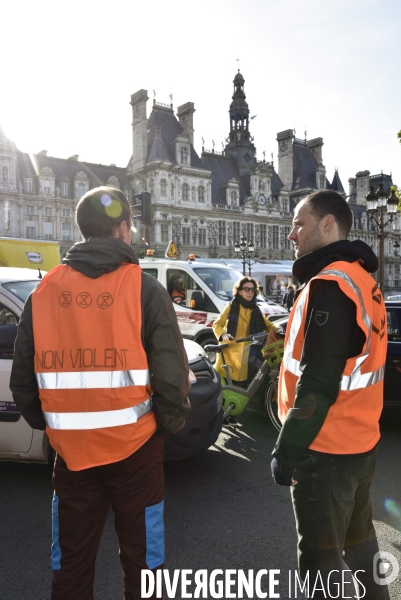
column 272, row 405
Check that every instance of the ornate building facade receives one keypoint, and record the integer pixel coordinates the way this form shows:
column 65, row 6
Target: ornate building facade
column 204, row 203
column 207, row 203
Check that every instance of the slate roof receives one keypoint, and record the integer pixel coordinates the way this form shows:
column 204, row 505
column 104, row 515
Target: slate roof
column 386, row 180
column 276, row 183
column 336, row 184
column 304, row 167
column 67, row 168
column 222, row 169
column 163, row 128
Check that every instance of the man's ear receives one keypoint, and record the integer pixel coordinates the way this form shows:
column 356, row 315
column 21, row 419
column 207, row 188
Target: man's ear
column 328, row 223
column 122, row 230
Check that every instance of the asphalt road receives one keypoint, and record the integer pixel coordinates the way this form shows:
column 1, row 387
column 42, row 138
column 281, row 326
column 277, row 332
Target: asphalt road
column 222, row 511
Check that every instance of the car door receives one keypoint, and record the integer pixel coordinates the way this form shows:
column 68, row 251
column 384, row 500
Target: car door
column 392, row 375
column 15, row 433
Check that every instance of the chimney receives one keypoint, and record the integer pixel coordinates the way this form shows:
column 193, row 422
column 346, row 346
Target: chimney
column 139, row 130
column 362, row 186
column 185, row 114
column 285, row 158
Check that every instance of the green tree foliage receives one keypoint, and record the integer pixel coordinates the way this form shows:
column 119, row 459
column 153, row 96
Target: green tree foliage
column 399, row 135
column 397, row 192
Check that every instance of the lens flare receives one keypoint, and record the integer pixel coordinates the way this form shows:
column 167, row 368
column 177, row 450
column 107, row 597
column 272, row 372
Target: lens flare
column 106, row 200
column 394, row 511
column 114, row 210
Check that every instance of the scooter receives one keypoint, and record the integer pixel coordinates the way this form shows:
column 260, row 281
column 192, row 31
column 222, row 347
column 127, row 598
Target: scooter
column 236, row 398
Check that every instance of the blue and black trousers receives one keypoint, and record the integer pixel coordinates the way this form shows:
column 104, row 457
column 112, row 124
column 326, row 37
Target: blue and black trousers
column 134, row 489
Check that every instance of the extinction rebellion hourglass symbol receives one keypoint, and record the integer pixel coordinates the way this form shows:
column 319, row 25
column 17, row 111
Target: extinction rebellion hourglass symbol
column 84, row 299
column 65, row 299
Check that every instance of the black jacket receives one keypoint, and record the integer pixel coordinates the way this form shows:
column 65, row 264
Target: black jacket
column 161, row 339
column 326, row 348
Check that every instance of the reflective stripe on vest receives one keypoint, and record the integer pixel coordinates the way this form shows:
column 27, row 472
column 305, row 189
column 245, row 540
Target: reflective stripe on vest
column 78, row 380
column 356, row 380
column 97, row 420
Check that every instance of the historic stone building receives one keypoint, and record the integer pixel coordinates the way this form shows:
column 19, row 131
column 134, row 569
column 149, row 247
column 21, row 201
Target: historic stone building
column 366, row 230
column 204, row 203
column 39, row 193
column 207, row 203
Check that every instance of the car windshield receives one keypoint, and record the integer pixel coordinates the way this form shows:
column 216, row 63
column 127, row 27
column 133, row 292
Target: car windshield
column 21, row 289
column 220, row 281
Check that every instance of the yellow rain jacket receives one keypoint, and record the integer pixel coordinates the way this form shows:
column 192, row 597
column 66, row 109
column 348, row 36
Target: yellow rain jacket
column 236, row 355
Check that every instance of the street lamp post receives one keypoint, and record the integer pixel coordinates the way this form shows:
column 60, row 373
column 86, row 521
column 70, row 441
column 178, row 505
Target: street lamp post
column 378, row 205
column 247, row 250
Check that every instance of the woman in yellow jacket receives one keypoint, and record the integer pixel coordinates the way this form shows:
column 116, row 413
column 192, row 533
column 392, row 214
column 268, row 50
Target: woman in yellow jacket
column 241, row 318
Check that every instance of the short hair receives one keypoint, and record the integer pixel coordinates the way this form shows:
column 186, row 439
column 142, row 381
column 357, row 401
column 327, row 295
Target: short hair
column 100, row 211
column 327, row 202
column 240, row 284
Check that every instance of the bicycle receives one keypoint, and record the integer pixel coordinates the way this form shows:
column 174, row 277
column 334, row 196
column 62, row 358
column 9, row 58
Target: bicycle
column 236, row 398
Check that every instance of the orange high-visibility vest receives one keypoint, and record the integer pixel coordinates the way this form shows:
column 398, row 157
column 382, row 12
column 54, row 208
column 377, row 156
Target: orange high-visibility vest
column 351, row 425
column 90, row 365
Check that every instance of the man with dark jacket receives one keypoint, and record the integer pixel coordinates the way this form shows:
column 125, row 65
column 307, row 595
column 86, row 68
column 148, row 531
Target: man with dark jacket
column 331, row 397
column 288, row 299
column 95, row 365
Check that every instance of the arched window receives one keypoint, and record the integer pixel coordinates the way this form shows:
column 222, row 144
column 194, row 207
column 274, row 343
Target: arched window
column 201, row 193
column 184, row 155
column 185, row 191
column 234, row 198
column 193, row 192
column 172, row 190
column 5, row 174
column 151, row 186
column 163, row 188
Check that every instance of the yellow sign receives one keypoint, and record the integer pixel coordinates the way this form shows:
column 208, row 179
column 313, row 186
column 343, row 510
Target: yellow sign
column 172, row 250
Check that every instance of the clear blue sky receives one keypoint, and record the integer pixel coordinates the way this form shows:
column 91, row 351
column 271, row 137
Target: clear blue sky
column 329, row 66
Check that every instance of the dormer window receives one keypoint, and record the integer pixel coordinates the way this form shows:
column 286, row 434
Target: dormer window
column 28, row 184
column 46, row 186
column 64, row 189
column 184, row 155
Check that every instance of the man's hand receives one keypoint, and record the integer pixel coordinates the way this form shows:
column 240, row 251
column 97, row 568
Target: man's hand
column 282, row 474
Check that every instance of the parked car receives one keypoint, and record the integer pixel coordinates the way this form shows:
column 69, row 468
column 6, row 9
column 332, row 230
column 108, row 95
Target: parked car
column 19, row 442
column 392, row 373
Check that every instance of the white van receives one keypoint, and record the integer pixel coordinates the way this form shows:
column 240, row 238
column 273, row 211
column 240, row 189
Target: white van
column 208, row 289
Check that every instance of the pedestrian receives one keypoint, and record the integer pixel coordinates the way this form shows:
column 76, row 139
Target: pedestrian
column 100, row 363
column 331, row 396
column 288, row 299
column 239, row 319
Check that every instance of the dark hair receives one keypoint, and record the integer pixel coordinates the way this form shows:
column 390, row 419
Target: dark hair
column 327, row 202
column 100, row 211
column 240, row 284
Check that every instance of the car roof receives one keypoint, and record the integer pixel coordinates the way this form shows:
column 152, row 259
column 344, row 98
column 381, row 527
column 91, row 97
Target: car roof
column 181, row 263
column 19, row 274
